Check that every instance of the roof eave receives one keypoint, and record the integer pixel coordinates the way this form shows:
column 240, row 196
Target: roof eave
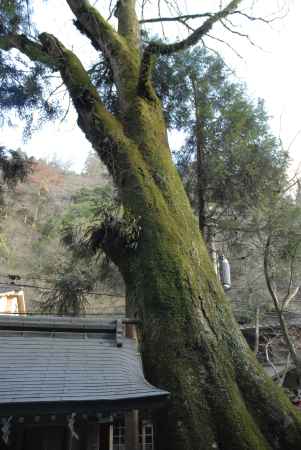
column 83, row 406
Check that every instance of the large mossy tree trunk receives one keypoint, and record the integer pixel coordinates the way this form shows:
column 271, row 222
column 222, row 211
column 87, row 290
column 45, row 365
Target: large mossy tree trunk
column 191, row 343
column 220, row 397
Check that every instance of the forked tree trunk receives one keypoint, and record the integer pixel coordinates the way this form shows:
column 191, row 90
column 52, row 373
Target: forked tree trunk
column 220, row 397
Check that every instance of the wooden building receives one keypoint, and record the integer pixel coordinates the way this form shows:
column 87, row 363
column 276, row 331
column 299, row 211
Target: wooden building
column 73, row 384
column 12, row 300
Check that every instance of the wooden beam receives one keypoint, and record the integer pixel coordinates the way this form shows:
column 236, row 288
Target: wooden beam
column 119, row 333
column 53, row 323
column 21, row 303
column 131, row 331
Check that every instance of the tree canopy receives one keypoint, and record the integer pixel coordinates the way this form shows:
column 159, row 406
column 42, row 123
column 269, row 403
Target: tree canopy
column 241, row 162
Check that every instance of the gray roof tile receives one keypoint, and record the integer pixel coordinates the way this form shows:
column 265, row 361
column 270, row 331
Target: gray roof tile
column 62, row 367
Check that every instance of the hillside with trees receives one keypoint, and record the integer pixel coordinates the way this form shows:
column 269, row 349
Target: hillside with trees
column 33, row 218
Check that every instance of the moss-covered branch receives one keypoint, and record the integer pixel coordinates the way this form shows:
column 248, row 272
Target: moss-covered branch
column 128, row 25
column 115, row 46
column 31, row 49
column 96, row 28
column 103, row 130
column 117, row 237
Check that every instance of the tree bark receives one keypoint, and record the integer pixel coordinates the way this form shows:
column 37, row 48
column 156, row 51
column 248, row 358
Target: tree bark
column 192, row 346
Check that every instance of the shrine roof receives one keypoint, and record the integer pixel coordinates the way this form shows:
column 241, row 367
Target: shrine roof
column 58, row 363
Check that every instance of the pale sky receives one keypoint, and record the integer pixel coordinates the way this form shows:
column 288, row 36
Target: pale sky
column 272, row 73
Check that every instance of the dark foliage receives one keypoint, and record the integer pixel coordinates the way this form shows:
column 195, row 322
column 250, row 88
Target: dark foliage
column 24, row 87
column 15, row 166
column 242, row 161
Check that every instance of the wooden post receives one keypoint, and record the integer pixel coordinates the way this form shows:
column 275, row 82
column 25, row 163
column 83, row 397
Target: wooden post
column 21, row 303
column 132, row 430
column 119, row 332
column 69, row 440
column 111, row 437
column 92, row 436
column 131, row 417
column 131, row 331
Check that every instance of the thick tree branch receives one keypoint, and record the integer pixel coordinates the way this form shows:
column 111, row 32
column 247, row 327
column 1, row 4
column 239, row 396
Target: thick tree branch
column 95, row 27
column 128, row 25
column 104, row 38
column 110, row 236
column 52, row 53
column 102, row 129
column 31, row 49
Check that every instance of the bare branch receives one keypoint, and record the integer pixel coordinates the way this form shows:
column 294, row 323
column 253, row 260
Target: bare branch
column 186, row 17
column 167, row 49
column 240, row 34
column 289, row 298
column 267, row 274
column 288, row 366
column 181, row 19
column 128, row 25
column 269, row 360
column 259, row 19
column 155, row 48
column 279, row 311
column 226, row 44
column 290, row 283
